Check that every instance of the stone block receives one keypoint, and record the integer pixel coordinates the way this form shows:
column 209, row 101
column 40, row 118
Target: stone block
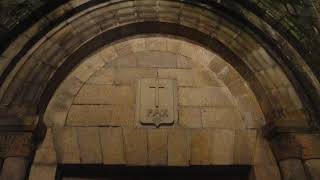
column 138, row 44
column 129, row 76
column 88, row 67
column 155, row 59
column 136, row 146
column 190, row 117
column 123, row 48
column 310, row 144
column 178, row 147
column 67, row 146
column 112, row 143
column 108, row 54
column 122, row 115
column 312, row 168
column 200, row 147
column 105, row 94
column 14, row 168
column 245, row 143
column 38, row 172
column 192, row 78
column 156, row 44
column 204, row 96
column 222, row 148
column 89, row 115
column 157, row 147
column 229, row 118
column 266, row 172
column 102, row 76
column 292, row 169
column 263, row 153
column 173, row 45
column 129, row 60
column 184, row 62
column 90, row 147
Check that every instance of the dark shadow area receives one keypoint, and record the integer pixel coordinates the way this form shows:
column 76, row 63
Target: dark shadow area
column 101, row 172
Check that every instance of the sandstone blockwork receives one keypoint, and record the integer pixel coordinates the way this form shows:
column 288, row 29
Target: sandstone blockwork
column 159, row 83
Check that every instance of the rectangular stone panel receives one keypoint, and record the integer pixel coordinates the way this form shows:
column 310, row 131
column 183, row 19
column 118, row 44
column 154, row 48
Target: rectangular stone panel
column 89, row 115
column 222, row 118
column 222, row 149
column 105, row 94
column 189, row 77
column 200, row 147
column 157, row 147
column 128, row 76
column 204, row 96
column 67, row 145
column 112, row 145
column 90, row 147
column 156, row 59
column 136, row 146
column 245, row 142
column 178, row 147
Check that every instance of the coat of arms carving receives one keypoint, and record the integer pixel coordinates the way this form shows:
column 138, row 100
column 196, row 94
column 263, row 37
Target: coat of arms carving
column 156, row 104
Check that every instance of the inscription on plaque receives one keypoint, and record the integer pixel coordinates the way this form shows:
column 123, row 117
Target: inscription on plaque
column 156, row 104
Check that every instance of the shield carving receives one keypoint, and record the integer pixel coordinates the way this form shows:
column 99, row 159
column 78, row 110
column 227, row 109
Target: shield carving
column 156, row 104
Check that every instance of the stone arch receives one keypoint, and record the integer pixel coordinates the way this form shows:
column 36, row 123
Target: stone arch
column 70, row 130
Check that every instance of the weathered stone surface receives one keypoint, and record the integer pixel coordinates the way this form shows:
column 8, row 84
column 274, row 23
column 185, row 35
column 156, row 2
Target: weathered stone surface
column 88, row 67
column 266, row 172
column 112, row 145
column 200, row 147
column 292, row 169
column 190, row 117
column 156, row 59
column 136, row 146
column 310, row 144
column 108, row 54
column 66, row 142
column 184, row 62
column 189, row 77
column 205, row 96
column 222, row 118
column 178, row 148
column 312, row 168
column 263, row 153
column 105, row 94
column 122, row 115
column 222, row 148
column 157, row 147
column 245, row 142
column 46, row 153
column 103, row 76
column 126, row 61
column 89, row 115
column 14, row 168
column 156, row 44
column 129, row 76
column 89, row 144
column 38, row 172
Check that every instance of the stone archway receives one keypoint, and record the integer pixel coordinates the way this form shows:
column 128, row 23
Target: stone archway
column 91, row 117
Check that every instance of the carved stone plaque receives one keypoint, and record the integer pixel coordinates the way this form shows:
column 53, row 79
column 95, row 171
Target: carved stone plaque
column 156, row 104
